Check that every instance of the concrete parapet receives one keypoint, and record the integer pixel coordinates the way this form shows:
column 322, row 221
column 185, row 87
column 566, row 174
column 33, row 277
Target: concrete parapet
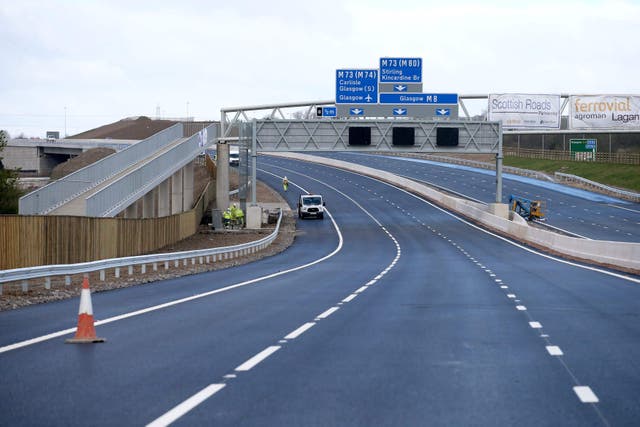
column 623, row 255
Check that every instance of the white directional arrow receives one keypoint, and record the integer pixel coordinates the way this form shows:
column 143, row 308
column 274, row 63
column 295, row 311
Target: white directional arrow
column 400, row 88
column 443, row 111
column 399, row 112
column 356, row 111
column 368, row 98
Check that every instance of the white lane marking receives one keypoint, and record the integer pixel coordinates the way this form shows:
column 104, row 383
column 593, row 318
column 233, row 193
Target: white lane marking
column 193, row 297
column 504, row 287
column 535, row 325
column 249, row 364
column 504, row 239
column 554, row 350
column 301, row 330
column 626, row 209
column 371, row 282
column 498, row 280
column 585, row 394
column 511, row 296
column 328, row 313
column 521, row 308
column 186, row 406
column 362, row 289
column 350, row 298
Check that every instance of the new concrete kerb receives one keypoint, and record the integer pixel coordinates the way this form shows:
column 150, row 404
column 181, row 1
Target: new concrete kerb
column 622, row 255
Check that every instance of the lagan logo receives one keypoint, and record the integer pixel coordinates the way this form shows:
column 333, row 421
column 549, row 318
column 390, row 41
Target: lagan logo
column 625, row 118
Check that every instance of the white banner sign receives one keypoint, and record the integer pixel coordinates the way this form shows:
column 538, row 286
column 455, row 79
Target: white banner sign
column 604, row 111
column 516, row 110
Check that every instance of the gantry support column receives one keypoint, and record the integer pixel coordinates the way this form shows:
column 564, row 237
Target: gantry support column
column 222, row 177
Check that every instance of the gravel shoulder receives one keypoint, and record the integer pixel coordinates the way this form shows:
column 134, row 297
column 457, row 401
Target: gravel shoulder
column 14, row 296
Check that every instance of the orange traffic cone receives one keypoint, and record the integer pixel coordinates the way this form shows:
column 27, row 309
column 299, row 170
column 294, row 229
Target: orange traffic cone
column 86, row 332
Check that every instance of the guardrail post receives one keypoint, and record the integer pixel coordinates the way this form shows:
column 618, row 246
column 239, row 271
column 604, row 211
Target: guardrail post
column 143, row 268
column 1, row 286
column 102, row 275
column 176, row 263
column 200, row 260
column 25, row 286
column 184, row 262
column 155, row 266
column 116, row 273
column 166, row 265
column 47, row 282
column 130, row 270
column 67, row 280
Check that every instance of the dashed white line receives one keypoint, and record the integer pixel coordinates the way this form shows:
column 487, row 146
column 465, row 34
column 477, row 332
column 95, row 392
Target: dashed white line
column 350, row 298
column 301, row 330
column 535, row 325
column 186, row 406
column 328, row 313
column 249, row 364
column 362, row 289
column 521, row 308
column 585, row 394
column 554, row 350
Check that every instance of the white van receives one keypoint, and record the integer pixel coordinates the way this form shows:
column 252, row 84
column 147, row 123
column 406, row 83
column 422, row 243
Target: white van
column 310, row 205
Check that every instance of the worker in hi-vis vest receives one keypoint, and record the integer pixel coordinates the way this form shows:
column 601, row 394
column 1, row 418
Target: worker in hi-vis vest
column 285, row 183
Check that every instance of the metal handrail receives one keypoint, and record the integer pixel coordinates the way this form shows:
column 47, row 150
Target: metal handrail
column 18, row 274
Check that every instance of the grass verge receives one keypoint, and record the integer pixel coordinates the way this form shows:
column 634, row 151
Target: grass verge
column 621, row 176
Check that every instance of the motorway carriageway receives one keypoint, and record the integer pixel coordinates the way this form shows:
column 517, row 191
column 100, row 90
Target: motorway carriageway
column 576, row 211
column 390, row 311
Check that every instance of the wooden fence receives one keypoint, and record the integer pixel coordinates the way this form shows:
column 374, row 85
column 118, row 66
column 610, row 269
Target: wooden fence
column 620, row 158
column 27, row 241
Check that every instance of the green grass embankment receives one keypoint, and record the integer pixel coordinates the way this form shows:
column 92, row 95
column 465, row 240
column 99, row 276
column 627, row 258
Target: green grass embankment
column 621, row 176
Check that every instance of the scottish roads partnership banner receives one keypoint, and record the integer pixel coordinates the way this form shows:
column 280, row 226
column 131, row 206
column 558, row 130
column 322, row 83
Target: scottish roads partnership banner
column 516, row 110
column 604, row 111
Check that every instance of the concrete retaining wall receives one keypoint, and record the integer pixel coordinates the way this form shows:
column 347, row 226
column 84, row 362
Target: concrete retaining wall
column 623, row 255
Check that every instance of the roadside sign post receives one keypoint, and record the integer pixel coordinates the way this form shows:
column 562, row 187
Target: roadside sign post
column 583, row 149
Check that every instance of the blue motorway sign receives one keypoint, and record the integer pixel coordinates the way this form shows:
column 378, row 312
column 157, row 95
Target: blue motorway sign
column 357, row 86
column 400, row 70
column 328, row 111
column 419, row 98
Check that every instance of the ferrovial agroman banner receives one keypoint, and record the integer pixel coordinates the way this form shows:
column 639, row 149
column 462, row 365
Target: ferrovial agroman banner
column 604, row 111
column 517, row 110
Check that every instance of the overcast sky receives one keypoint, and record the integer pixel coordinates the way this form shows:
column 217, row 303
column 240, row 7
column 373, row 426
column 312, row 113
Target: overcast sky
column 101, row 61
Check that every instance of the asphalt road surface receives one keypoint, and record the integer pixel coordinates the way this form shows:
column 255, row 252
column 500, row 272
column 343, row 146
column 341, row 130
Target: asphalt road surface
column 389, row 311
column 583, row 213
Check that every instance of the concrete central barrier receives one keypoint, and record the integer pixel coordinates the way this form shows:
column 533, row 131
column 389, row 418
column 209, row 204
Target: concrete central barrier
column 619, row 255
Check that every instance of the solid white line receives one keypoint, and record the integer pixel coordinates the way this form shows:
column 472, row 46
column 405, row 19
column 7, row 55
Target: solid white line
column 535, row 325
column 302, row 329
column 187, row 299
column 350, row 298
column 554, row 350
column 370, row 282
column 36, row 340
column 328, row 313
column 585, row 394
column 186, row 406
column 626, row 209
column 249, row 364
column 362, row 289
